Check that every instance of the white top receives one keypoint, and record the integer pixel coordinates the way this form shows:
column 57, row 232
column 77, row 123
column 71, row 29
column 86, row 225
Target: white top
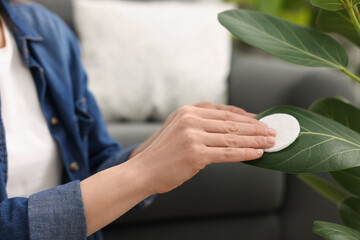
column 33, row 158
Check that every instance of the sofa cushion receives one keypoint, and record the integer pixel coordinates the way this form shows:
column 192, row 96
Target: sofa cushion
column 146, row 59
column 233, row 189
column 130, row 133
column 256, row 227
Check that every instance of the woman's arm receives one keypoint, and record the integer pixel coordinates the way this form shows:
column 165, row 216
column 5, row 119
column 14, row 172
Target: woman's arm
column 193, row 139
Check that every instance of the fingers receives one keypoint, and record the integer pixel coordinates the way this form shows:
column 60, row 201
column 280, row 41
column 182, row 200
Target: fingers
column 222, row 155
column 232, row 109
column 214, row 114
column 235, row 141
column 240, row 128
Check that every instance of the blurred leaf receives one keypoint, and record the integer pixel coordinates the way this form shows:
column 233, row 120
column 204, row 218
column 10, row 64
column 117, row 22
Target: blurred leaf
column 338, row 22
column 295, row 3
column 331, row 231
column 343, row 99
column 323, row 187
column 323, row 145
column 330, row 5
column 349, row 179
column 270, row 6
column 286, row 40
column 350, row 212
column 349, row 116
column 301, row 15
column 339, row 111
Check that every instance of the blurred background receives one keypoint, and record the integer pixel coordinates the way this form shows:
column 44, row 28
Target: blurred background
column 298, row 11
column 146, row 58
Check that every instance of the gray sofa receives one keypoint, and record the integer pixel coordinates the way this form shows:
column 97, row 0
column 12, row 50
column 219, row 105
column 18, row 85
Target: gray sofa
column 234, row 201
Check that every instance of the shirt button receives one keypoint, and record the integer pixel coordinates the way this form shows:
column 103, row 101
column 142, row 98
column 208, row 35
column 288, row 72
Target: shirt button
column 74, row 166
column 54, row 121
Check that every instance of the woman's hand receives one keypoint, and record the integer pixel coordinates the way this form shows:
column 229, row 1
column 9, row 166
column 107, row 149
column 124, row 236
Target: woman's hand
column 169, row 119
column 196, row 136
column 192, row 138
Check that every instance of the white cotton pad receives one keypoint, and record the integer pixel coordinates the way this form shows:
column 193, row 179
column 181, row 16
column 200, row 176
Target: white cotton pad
column 287, row 130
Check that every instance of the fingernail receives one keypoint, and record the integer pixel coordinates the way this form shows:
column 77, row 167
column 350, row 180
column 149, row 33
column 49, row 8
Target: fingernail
column 259, row 151
column 271, row 131
column 270, row 140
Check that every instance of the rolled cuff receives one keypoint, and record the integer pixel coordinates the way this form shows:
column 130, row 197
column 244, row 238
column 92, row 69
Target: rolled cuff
column 57, row 213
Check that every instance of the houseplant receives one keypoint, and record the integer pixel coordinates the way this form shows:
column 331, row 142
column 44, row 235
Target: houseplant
column 292, row 10
column 329, row 140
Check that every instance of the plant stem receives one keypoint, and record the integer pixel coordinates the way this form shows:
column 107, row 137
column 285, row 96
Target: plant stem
column 350, row 74
column 356, row 9
column 353, row 17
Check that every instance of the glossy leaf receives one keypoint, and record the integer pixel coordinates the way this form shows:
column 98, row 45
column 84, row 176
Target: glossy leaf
column 350, row 212
column 323, row 145
column 286, row 40
column 323, row 187
column 331, row 231
column 338, row 22
column 349, row 116
column 330, row 5
column 339, row 111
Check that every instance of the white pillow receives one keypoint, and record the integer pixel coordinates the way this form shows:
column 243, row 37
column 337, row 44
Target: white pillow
column 146, row 59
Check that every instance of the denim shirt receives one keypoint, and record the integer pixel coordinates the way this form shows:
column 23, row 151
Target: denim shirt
column 51, row 52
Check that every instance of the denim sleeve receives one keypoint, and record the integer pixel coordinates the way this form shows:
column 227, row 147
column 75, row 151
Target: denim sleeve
column 119, row 158
column 57, row 213
column 14, row 219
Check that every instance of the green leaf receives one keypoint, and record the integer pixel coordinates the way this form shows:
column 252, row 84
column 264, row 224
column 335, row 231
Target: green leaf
column 330, row 5
column 338, row 22
column 339, row 111
column 323, row 145
column 286, row 40
column 349, row 179
column 331, row 231
column 350, row 212
column 349, row 116
column 323, row 187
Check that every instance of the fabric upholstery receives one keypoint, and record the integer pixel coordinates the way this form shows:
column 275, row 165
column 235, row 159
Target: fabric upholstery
column 259, row 82
column 266, row 226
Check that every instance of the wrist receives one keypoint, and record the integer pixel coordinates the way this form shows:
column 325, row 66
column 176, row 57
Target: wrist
column 110, row 193
column 135, row 152
column 139, row 174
